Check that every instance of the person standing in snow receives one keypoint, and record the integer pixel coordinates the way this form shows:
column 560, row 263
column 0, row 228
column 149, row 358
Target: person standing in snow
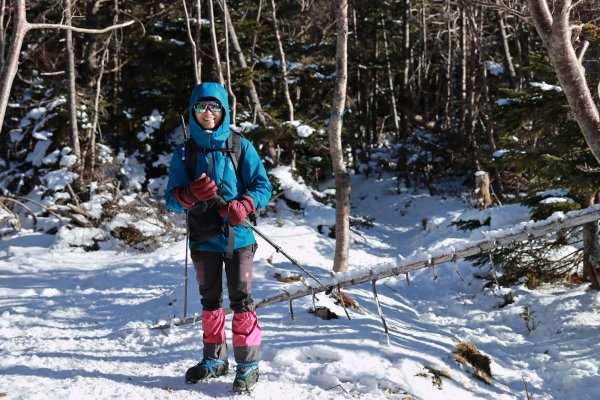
column 218, row 199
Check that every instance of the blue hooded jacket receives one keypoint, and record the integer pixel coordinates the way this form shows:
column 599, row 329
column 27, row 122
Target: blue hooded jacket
column 255, row 181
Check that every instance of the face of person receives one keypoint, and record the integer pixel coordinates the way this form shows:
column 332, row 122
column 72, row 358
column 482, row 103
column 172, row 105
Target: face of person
column 208, row 114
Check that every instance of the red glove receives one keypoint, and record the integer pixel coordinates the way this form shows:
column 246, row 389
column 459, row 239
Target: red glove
column 200, row 189
column 238, row 210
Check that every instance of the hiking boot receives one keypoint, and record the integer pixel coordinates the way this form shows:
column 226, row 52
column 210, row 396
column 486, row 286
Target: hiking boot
column 208, row 368
column 246, row 376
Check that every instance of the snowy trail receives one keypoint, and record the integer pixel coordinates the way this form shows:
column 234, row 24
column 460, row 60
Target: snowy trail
column 76, row 325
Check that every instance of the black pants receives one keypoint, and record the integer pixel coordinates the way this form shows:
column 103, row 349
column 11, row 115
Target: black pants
column 238, row 269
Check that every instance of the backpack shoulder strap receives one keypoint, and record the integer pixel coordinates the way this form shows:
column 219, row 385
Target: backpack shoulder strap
column 233, row 148
column 234, row 144
column 190, row 152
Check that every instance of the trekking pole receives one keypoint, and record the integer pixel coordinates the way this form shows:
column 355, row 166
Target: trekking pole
column 280, row 250
column 185, row 286
column 187, row 234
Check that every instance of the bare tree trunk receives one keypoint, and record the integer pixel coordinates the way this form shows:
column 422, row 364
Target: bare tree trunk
column 342, row 178
column 21, row 27
column 241, row 60
column 233, row 101
column 2, row 33
column 117, row 77
column 213, row 35
column 284, row 76
column 198, row 60
column 481, row 191
column 506, row 50
column 192, row 43
column 449, row 63
column 390, row 79
column 556, row 32
column 591, row 248
column 406, row 66
column 255, row 38
column 472, row 57
column 422, row 70
column 90, row 54
column 522, row 40
column 463, row 71
column 72, row 97
column 90, row 160
column 361, row 104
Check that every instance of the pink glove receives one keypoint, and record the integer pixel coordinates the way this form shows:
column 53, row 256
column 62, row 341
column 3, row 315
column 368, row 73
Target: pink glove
column 238, row 210
column 200, row 189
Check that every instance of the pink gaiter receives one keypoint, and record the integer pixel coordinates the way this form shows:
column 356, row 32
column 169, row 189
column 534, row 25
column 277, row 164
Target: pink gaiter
column 213, row 326
column 245, row 328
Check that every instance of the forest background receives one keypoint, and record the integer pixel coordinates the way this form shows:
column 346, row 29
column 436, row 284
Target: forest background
column 449, row 87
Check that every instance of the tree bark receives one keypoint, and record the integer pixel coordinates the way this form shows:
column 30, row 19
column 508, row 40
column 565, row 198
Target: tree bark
column 406, row 66
column 21, row 27
column 591, row 247
column 423, row 65
column 284, row 76
column 198, row 60
column 555, row 30
column 2, row 33
column 390, row 79
column 233, row 101
column 463, row 72
column 213, row 35
column 90, row 56
column 117, row 74
column 342, row 178
column 449, row 63
column 195, row 64
column 90, row 160
column 506, row 51
column 72, row 91
column 241, row 60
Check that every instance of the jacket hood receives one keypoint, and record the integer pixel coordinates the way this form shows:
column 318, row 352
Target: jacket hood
column 200, row 136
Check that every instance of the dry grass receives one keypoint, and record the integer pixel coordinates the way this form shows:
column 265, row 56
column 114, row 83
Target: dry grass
column 467, row 353
column 436, row 375
column 288, row 279
column 348, row 301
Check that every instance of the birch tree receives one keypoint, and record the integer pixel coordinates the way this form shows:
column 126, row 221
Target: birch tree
column 552, row 22
column 20, row 28
column 215, row 46
column 195, row 61
column 72, row 92
column 2, row 32
column 284, row 75
column 233, row 99
column 405, row 64
column 342, row 178
column 556, row 31
column 390, row 79
column 241, row 60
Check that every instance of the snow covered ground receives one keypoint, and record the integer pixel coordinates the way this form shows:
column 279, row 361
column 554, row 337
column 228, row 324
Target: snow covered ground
column 76, row 324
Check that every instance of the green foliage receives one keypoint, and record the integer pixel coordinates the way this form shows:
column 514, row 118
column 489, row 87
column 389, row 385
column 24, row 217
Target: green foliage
column 544, row 142
column 471, row 224
column 150, row 68
column 543, row 211
column 534, row 261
